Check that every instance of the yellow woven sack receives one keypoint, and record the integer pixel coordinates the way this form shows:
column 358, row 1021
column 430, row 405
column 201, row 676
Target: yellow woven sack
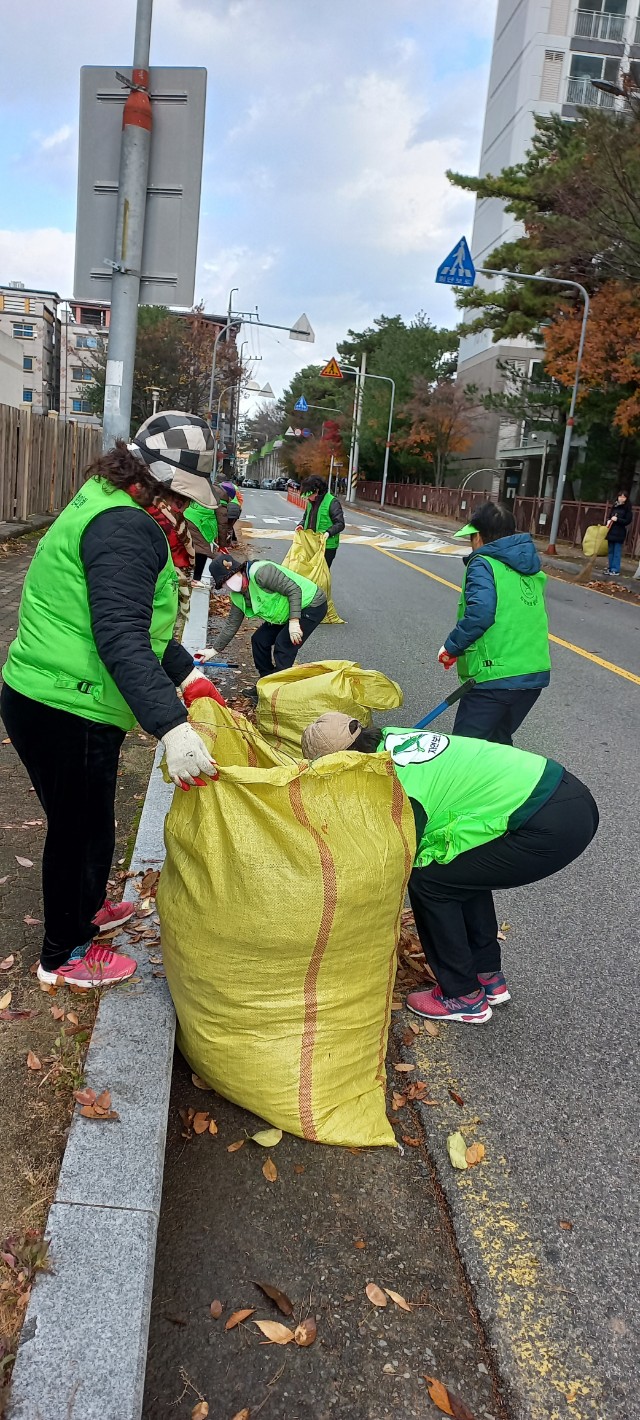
column 289, row 700
column 306, row 556
column 594, row 542
column 280, row 903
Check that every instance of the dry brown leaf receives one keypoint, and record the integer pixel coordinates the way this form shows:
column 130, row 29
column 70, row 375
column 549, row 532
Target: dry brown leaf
column 233, row 1148
column 103, row 1100
column 431, row 1027
column 270, row 1171
column 57, row 1013
column 457, row 1099
column 7, row 963
column 411, row 1142
column 200, row 1411
column 406, row 1069
column 275, row 1295
column 200, row 1122
column 298, row 1168
column 360, row 1244
column 16, row 1015
column 237, row 1317
column 187, row 1116
column 24, row 862
column 408, row 1038
column 32, row 1061
column 415, row 1027
column 242, row 1415
column 5, row 1000
column 275, row 1332
column 398, row 1101
column 71, row 1016
column 86, row 1096
column 446, row 1401
column 216, row 1309
column 213, row 1128
column 399, row 1301
column 200, row 1084
column 32, row 921
column 305, row 1334
column 375, row 1295
column 475, row 1154
column 565, row 1225
column 91, row 1111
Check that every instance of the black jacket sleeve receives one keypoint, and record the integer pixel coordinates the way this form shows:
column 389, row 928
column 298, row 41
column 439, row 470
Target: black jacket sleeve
column 123, row 552
column 177, row 662
column 337, row 518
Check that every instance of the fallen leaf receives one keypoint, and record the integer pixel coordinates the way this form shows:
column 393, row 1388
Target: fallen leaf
column 159, row 972
column 446, row 1401
column 24, row 862
column 233, row 1148
column 72, row 1017
column 200, row 1122
column 270, row 1171
column 200, row 1084
column 360, row 1244
column 475, row 1154
column 407, row 1038
column 86, row 1096
column 15, row 1015
column 457, row 1099
column 305, row 1334
column 398, row 1101
column 187, row 1117
column 406, row 1069
column 237, row 1317
column 32, row 1061
column 213, row 1128
column 396, row 1005
column 565, row 1225
column 431, row 1027
column 57, row 1013
column 32, row 921
column 104, row 1100
column 7, row 964
column 216, row 1310
column 275, row 1295
column 399, row 1301
column 5, row 1000
column 275, row 1332
column 5, row 879
column 242, row 1415
column 411, row 1142
column 415, row 1027
column 375, row 1295
column 201, row 1410
column 91, row 1111
column 149, row 882
column 268, row 1138
column 457, row 1150
column 298, row 1168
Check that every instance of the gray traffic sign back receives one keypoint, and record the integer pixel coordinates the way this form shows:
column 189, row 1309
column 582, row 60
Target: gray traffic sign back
column 173, row 194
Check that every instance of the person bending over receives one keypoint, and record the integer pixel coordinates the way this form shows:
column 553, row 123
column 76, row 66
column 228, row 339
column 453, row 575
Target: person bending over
column 289, row 606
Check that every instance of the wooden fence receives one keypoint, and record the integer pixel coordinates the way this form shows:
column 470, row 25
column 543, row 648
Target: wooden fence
column 42, row 462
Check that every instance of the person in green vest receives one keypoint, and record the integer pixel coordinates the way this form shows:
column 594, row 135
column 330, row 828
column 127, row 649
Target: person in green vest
column 501, row 640
column 92, row 656
column 487, row 817
column 204, row 534
column 288, row 605
column 323, row 514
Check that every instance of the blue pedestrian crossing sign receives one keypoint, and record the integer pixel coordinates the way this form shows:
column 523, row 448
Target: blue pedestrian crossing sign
column 457, row 269
column 301, row 404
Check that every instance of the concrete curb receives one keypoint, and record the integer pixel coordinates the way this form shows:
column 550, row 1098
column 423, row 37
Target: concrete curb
column 82, row 1353
column 8, row 531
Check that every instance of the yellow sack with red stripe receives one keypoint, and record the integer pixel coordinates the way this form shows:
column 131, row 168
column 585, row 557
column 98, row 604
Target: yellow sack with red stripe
column 306, row 556
column 290, row 700
column 280, row 903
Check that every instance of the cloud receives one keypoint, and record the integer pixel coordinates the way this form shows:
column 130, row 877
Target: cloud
column 54, row 140
column 41, row 257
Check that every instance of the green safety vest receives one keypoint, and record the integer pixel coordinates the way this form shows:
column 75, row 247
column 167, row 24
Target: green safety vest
column 54, row 658
column 204, row 519
column 271, row 606
column 324, row 520
column 470, row 791
column 518, row 642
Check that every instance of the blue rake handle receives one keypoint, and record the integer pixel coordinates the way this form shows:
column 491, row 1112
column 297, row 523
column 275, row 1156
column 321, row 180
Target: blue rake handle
column 219, row 665
column 445, row 704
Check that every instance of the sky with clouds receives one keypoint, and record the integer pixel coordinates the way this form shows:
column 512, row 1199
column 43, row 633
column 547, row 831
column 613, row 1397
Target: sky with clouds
column 329, row 130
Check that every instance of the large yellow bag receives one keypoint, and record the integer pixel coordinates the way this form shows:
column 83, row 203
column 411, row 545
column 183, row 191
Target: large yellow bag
column 594, row 542
column 280, row 902
column 288, row 701
column 306, row 556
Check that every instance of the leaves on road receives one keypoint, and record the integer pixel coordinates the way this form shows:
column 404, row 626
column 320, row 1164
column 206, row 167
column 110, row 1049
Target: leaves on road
column 24, row 862
column 270, row 1171
column 236, row 1317
column 33, row 1063
column 233, row 1148
column 276, row 1332
column 305, row 1334
column 398, row 1101
column 7, row 963
column 5, row 1000
column 96, row 1106
column 275, row 1295
column 475, row 1154
column 376, row 1295
column 242, row 1415
column 9, row 1015
column 200, row 1123
column 446, row 1401
column 565, row 1225
column 200, row 1411
column 457, row 1150
column 403, row 1068
column 216, row 1310
column 268, row 1138
column 399, row 1301
column 32, row 921
column 457, row 1099
column 200, row 1084
column 431, row 1027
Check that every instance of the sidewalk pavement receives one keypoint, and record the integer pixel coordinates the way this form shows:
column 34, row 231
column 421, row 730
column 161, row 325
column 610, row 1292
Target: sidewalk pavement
column 13, row 529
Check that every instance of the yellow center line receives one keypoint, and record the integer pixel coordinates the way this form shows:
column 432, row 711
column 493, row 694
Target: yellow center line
column 568, row 645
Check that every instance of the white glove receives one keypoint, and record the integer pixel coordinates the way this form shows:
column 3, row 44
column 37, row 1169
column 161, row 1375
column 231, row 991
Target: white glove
column 295, row 631
column 208, row 653
column 187, row 756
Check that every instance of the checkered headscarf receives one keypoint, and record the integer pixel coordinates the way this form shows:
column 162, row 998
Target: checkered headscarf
column 178, row 450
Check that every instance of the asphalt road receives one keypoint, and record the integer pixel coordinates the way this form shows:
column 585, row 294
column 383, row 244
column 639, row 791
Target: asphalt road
column 553, row 1077
column 555, row 1074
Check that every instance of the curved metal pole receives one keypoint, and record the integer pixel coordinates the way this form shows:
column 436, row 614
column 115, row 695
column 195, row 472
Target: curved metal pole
column 369, row 376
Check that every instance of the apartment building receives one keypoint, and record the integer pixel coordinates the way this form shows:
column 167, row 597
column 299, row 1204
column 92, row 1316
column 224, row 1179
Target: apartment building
column 84, row 328
column 11, row 372
column 30, row 318
column 546, row 54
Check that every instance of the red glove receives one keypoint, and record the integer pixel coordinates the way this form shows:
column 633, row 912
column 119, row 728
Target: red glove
column 445, row 659
column 200, row 689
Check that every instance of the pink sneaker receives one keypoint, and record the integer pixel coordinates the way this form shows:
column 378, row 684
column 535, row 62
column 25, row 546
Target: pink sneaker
column 98, row 967
column 473, row 1010
column 113, row 914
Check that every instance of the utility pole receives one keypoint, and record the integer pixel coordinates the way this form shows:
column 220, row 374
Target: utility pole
column 354, row 454
column 132, row 201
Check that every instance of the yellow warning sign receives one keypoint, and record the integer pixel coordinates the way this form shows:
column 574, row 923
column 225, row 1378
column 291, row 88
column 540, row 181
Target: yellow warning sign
column 332, row 371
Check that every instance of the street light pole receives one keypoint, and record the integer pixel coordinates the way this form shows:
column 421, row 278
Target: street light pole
column 135, row 147
column 566, row 446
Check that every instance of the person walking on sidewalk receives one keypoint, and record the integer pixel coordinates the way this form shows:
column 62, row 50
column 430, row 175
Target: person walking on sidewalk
column 487, row 817
column 93, row 654
column 289, row 605
column 323, row 514
column 501, row 639
column 617, row 528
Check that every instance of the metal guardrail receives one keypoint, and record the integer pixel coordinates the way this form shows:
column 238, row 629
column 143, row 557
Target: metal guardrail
column 582, row 92
column 592, row 24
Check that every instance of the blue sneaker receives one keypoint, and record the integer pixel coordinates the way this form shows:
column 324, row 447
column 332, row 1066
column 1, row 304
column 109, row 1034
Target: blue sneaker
column 495, row 987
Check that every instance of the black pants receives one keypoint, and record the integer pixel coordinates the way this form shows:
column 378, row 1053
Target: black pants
column 232, row 528
column 452, row 902
column 329, row 555
column 72, row 764
column 495, row 715
column 273, row 649
column 201, row 559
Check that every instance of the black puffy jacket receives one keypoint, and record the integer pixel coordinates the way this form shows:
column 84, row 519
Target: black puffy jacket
column 623, row 515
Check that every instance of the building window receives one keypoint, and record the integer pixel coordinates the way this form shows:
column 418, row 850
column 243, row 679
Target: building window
column 89, row 316
column 81, row 374
column 86, row 342
column 27, row 362
column 22, row 331
column 27, row 396
column 81, row 406
column 584, row 68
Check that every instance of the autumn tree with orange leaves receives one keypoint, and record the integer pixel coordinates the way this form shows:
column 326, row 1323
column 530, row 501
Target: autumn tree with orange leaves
column 439, row 418
column 610, row 364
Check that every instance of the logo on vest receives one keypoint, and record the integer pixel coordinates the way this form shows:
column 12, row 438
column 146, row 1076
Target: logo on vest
column 528, row 591
column 416, row 749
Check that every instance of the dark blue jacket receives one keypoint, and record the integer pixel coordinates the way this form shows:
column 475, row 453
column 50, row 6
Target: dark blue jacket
column 518, row 552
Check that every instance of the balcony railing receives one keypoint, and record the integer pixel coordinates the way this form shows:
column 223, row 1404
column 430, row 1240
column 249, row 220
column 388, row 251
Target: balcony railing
column 592, row 24
column 582, row 92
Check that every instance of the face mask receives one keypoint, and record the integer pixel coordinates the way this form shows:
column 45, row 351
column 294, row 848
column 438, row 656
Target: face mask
column 234, row 583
